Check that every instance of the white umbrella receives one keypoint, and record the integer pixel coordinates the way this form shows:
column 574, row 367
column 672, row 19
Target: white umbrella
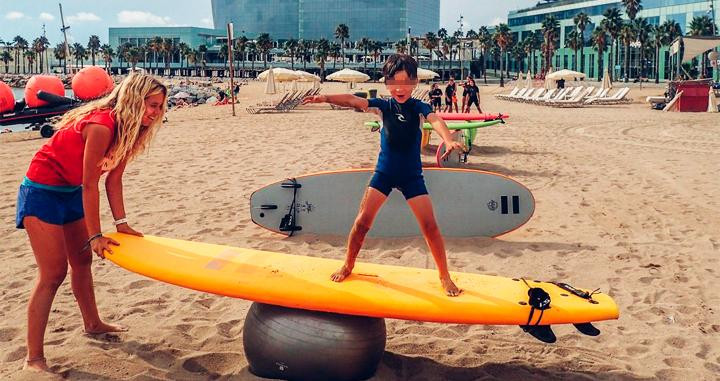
column 528, row 80
column 424, row 74
column 280, row 74
column 181, row 94
column 304, row 76
column 348, row 75
column 294, row 86
column 712, row 101
column 568, row 75
column 519, row 80
column 549, row 82
column 270, row 84
column 606, row 84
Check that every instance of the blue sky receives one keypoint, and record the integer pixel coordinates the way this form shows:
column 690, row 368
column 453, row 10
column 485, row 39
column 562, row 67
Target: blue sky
column 26, row 17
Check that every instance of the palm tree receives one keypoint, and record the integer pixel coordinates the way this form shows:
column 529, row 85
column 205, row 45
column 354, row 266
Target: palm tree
column 192, row 58
column 485, row 43
column 30, row 57
column 518, row 53
column 632, row 7
column 168, row 49
column 401, row 46
column 672, row 31
column 156, row 46
column 472, row 36
column 376, row 49
column 21, row 45
column 581, row 21
column 252, row 49
column 183, row 49
column 642, row 33
column 364, row 44
column 223, row 55
column 342, row 32
column 612, row 23
column 627, row 36
column 702, row 26
column 335, row 53
column 599, row 39
column 323, row 48
column 430, row 42
column 291, row 46
column 80, row 54
column 6, row 57
column 133, row 55
column 659, row 35
column 549, row 28
column 264, row 44
column 302, row 50
column 503, row 38
column 93, row 46
column 107, row 53
column 202, row 49
column 442, row 39
column 240, row 46
column 571, row 42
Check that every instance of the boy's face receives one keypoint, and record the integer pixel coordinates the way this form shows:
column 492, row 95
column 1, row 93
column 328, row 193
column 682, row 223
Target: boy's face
column 401, row 86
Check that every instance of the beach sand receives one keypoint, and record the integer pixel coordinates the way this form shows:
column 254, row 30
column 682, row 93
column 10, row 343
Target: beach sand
column 627, row 201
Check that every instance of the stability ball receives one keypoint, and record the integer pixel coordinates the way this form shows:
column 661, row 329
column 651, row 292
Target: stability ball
column 295, row 344
column 91, row 83
column 48, row 83
column 7, row 99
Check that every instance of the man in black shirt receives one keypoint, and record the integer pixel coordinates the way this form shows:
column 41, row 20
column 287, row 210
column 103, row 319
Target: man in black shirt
column 473, row 95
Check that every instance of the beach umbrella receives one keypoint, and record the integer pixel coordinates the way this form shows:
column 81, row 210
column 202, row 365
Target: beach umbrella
column 528, row 80
column 549, row 82
column 270, row 84
column 606, row 84
column 568, row 75
column 280, row 74
column 294, row 86
column 712, row 101
column 349, row 76
column 304, row 76
column 519, row 80
column 425, row 74
column 181, row 94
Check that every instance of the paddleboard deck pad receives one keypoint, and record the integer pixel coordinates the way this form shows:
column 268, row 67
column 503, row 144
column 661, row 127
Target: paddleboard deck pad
column 374, row 290
column 466, row 203
column 375, row 125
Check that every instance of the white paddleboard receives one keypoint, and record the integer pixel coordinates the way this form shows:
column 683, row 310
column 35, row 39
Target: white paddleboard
column 467, row 203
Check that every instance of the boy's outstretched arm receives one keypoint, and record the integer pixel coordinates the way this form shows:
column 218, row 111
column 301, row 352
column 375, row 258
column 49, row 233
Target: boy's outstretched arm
column 439, row 125
column 343, row 100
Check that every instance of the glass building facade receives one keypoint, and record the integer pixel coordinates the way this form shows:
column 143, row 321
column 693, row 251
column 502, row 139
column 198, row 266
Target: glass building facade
column 314, row 19
column 524, row 22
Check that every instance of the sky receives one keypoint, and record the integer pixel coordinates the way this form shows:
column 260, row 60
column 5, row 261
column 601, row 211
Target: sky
column 27, row 17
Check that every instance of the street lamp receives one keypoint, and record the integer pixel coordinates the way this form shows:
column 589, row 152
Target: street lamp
column 460, row 21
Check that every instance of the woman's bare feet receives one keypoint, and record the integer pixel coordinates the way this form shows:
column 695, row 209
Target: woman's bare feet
column 450, row 288
column 104, row 328
column 36, row 364
column 341, row 274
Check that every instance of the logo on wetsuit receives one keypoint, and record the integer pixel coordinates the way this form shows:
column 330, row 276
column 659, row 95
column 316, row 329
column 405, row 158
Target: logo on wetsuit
column 401, row 117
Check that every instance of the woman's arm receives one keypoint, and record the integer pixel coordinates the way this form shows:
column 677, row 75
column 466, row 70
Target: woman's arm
column 114, row 190
column 343, row 100
column 97, row 140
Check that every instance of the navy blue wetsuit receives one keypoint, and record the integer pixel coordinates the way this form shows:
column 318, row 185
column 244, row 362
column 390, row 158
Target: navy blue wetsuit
column 399, row 164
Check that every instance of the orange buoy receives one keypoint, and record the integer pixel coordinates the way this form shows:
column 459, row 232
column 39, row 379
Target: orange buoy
column 47, row 83
column 91, row 83
column 7, row 99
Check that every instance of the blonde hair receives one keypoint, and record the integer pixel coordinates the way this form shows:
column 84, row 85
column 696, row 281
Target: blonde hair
column 127, row 103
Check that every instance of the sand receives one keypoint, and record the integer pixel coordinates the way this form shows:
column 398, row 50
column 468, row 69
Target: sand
column 627, row 201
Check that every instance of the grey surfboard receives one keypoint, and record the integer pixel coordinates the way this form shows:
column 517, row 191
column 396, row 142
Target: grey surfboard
column 466, row 203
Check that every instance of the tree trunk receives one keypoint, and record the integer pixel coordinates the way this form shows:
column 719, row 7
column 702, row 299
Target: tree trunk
column 627, row 62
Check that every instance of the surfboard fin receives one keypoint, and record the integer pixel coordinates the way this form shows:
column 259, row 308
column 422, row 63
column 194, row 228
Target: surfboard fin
column 541, row 332
column 587, row 329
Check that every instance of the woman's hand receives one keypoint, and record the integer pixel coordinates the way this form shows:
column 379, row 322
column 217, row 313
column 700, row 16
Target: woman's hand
column 125, row 228
column 102, row 244
column 453, row 146
column 314, row 99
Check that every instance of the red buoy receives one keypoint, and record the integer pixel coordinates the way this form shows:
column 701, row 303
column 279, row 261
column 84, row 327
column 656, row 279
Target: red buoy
column 46, row 83
column 7, row 99
column 91, row 83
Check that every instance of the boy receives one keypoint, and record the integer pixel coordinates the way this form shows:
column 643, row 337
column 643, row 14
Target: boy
column 399, row 165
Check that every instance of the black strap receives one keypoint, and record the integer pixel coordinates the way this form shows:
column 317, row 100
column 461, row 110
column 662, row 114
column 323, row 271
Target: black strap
column 288, row 222
column 538, row 299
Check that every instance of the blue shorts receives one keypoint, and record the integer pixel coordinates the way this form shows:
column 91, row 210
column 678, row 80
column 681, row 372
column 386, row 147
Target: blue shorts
column 410, row 187
column 53, row 207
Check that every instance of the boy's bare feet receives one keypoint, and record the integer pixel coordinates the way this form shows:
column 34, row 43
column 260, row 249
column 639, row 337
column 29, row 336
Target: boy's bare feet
column 341, row 274
column 450, row 288
column 104, row 328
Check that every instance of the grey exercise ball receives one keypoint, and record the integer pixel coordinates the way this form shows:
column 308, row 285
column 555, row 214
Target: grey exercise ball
column 295, row 344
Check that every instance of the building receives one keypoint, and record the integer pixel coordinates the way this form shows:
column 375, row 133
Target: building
column 524, row 22
column 316, row 19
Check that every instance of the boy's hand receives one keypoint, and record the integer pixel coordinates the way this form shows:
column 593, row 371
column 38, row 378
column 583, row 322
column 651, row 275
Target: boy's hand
column 314, row 99
column 453, row 146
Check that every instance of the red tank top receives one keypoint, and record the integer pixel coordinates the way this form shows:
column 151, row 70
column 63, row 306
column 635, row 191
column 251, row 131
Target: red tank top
column 60, row 161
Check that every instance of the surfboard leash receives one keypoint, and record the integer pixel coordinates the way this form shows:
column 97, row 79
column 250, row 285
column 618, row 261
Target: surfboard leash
column 288, row 222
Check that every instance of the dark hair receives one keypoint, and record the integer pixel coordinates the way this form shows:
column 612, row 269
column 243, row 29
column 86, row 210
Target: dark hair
column 398, row 62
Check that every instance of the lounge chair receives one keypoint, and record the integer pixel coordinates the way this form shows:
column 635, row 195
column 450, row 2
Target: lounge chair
column 547, row 96
column 511, row 94
column 576, row 101
column 522, row 92
column 617, row 98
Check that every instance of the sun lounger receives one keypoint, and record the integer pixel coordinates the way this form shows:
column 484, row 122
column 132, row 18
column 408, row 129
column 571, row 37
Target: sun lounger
column 535, row 95
column 559, row 95
column 522, row 92
column 617, row 98
column 547, row 96
column 511, row 94
column 576, row 101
